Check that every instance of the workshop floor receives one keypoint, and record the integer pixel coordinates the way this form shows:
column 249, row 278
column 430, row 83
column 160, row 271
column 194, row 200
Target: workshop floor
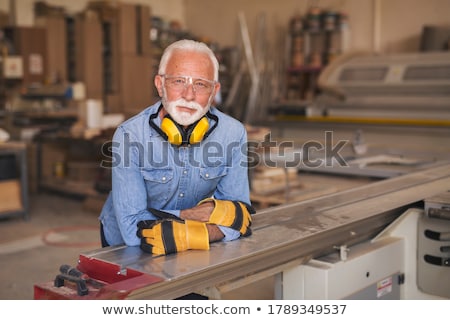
column 57, row 231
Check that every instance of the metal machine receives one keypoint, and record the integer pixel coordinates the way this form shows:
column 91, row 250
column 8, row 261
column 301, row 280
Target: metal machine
column 410, row 86
column 407, row 260
column 285, row 238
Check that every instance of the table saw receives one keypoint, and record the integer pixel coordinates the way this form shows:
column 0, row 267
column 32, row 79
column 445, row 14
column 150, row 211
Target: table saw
column 285, row 238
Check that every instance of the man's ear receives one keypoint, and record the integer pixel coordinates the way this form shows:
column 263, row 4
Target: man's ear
column 216, row 88
column 158, row 84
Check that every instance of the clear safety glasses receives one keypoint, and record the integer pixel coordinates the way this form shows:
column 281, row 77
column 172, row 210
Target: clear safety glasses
column 179, row 83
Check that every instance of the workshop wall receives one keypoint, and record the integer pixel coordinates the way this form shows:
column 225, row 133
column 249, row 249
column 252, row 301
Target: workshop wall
column 385, row 26
column 402, row 21
column 167, row 9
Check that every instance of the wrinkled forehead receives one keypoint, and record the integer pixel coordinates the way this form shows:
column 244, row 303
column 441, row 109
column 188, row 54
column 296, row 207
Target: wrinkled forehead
column 190, row 63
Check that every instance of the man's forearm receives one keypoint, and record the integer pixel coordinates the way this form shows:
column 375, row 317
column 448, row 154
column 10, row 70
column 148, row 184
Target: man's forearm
column 215, row 234
column 201, row 212
column 233, row 216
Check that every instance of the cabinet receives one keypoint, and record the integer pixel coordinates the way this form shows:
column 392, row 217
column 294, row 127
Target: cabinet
column 31, row 44
column 88, row 54
column 56, row 51
column 125, row 62
column 13, row 179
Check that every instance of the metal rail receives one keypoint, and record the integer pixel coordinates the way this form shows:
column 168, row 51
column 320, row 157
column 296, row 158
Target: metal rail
column 284, row 234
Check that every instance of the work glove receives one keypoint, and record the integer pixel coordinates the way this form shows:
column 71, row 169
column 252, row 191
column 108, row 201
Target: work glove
column 170, row 236
column 162, row 215
column 232, row 214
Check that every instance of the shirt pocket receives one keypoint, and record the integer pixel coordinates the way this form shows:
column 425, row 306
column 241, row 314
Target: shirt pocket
column 209, row 179
column 159, row 183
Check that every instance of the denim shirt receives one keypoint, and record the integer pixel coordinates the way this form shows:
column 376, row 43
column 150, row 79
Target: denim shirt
column 149, row 172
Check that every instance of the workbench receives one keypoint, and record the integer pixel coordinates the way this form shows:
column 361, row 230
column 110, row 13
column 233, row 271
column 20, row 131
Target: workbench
column 68, row 165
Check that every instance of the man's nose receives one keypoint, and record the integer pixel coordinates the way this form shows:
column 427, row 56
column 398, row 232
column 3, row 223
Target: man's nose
column 188, row 92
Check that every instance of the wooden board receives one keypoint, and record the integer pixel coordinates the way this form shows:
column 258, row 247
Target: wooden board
column 10, row 196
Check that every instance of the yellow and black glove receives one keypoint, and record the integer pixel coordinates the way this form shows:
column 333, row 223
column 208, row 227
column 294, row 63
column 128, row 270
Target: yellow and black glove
column 232, row 214
column 170, row 236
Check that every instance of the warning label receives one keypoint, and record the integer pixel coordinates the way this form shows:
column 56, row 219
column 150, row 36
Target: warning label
column 384, row 287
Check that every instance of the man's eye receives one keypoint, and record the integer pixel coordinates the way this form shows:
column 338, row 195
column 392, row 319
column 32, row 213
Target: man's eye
column 200, row 84
column 178, row 81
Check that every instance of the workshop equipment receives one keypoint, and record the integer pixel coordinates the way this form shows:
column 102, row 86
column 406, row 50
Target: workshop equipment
column 433, row 268
column 284, row 238
column 384, row 88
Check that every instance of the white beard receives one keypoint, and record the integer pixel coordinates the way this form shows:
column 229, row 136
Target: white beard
column 181, row 117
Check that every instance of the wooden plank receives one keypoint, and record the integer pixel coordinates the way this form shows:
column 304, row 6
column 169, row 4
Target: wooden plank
column 10, row 196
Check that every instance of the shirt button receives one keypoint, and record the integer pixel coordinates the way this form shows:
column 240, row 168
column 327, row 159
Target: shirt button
column 181, row 195
column 207, row 175
column 185, row 171
column 163, row 178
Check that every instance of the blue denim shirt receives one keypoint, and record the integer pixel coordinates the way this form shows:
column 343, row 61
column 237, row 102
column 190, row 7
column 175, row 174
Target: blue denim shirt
column 148, row 172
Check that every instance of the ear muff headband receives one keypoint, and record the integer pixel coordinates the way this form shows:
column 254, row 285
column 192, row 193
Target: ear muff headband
column 177, row 135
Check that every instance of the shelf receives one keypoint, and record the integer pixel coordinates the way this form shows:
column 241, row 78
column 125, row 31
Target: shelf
column 69, row 165
column 304, row 69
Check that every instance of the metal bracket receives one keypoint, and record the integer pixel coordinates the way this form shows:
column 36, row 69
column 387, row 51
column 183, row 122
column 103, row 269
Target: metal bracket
column 343, row 250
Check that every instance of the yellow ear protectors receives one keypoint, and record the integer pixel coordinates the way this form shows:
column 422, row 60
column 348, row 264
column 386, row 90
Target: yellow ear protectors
column 178, row 135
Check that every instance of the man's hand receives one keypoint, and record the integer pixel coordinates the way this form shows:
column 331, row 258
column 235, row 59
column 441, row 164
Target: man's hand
column 170, row 236
column 200, row 212
column 232, row 214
